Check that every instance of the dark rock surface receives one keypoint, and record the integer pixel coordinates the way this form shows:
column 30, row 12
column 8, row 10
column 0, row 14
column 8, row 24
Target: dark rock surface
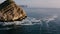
column 9, row 11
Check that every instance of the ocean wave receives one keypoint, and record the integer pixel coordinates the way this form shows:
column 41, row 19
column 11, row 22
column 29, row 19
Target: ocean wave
column 31, row 21
column 5, row 28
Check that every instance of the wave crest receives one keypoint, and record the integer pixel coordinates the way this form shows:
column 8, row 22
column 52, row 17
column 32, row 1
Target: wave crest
column 33, row 21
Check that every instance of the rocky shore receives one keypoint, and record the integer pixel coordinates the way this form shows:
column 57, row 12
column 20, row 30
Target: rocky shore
column 9, row 11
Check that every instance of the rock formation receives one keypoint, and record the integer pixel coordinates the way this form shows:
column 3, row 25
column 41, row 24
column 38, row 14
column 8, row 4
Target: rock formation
column 9, row 11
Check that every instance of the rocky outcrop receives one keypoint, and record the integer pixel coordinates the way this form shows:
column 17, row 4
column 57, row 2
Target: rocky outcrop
column 9, row 11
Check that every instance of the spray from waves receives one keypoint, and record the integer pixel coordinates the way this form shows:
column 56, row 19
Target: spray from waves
column 33, row 21
column 48, row 19
column 28, row 21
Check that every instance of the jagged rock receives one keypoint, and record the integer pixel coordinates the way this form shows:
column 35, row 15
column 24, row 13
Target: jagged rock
column 9, row 11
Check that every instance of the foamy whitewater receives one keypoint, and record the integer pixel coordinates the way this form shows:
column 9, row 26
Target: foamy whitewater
column 30, row 21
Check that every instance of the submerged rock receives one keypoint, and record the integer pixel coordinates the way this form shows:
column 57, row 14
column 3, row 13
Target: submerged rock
column 9, row 11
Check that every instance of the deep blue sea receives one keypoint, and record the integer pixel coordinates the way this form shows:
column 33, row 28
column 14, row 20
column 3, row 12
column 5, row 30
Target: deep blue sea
column 39, row 21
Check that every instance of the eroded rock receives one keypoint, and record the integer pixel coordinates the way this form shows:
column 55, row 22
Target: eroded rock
column 9, row 11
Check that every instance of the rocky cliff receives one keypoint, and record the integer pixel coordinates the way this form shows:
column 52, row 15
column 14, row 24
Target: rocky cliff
column 9, row 11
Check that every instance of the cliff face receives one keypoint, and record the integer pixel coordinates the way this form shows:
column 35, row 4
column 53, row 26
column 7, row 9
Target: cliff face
column 9, row 11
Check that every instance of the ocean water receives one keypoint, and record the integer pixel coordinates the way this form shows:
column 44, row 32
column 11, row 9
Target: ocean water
column 39, row 21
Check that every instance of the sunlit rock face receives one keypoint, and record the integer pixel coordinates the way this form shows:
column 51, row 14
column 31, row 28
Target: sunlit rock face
column 9, row 11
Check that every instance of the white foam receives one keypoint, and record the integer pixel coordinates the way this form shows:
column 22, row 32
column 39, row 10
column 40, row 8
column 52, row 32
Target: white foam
column 31, row 21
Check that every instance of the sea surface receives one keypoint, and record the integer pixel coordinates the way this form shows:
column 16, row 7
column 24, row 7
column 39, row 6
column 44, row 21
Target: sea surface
column 39, row 21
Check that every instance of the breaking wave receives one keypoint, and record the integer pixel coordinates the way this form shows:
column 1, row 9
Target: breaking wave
column 31, row 21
